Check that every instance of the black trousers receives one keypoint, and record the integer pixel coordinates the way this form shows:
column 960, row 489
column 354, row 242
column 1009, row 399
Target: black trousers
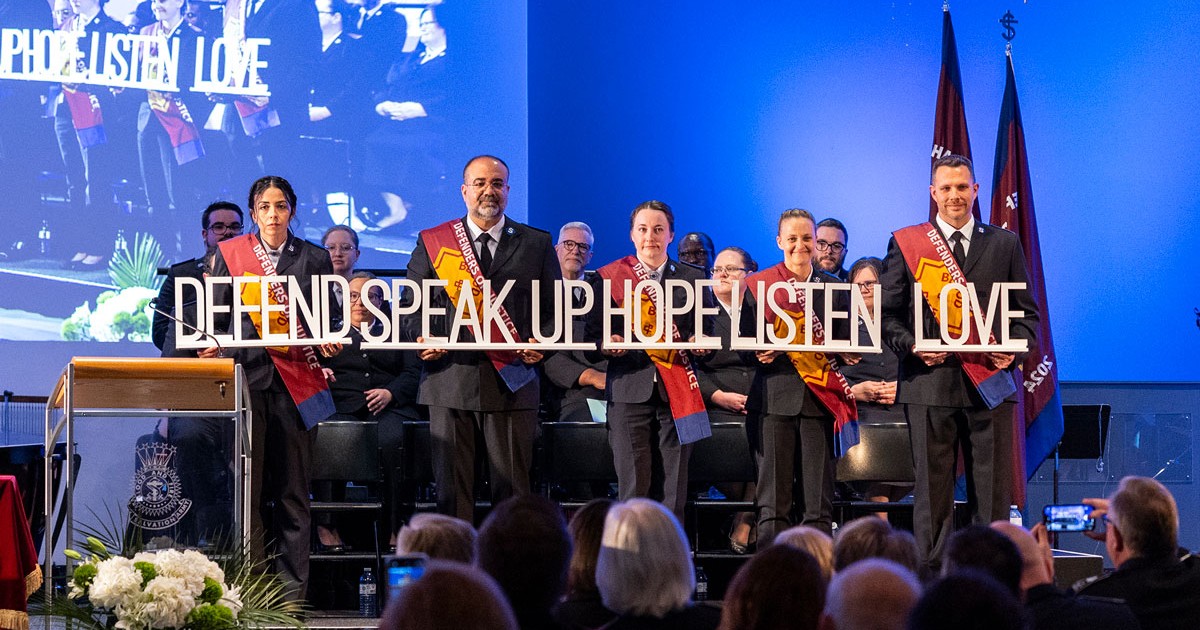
column 986, row 439
column 280, row 471
column 649, row 459
column 508, row 438
column 784, row 446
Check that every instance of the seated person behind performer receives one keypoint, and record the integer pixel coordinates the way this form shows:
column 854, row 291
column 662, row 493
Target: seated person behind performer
column 725, row 378
column 792, row 417
column 873, row 379
column 651, row 446
column 831, row 250
column 378, row 385
column 696, row 249
column 342, row 244
column 572, row 379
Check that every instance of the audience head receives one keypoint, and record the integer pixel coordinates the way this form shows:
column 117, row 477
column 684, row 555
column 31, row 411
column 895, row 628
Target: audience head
column 968, row 600
column 523, row 544
column 873, row 537
column 1037, row 561
column 780, row 587
column 449, row 596
column 438, row 536
column 986, row 550
column 574, row 249
column 731, row 265
column 652, row 228
column 586, row 529
column 1143, row 521
column 873, row 594
column 645, row 566
column 832, row 240
column 696, row 248
column 341, row 242
column 817, row 543
column 221, row 220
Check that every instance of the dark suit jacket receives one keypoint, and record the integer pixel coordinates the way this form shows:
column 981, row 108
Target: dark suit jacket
column 467, row 380
column 293, row 56
column 994, row 256
column 383, row 36
column 1052, row 609
column 300, row 259
column 356, row 370
column 165, row 302
column 338, row 85
column 723, row 370
column 777, row 388
column 563, row 398
column 631, row 377
column 1163, row 594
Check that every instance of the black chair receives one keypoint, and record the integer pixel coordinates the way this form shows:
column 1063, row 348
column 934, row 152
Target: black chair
column 347, row 451
column 573, row 454
column 882, row 455
column 723, row 458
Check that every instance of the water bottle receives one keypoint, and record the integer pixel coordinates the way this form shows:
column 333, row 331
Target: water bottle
column 367, row 603
column 120, row 243
column 701, row 585
column 44, row 238
column 1014, row 516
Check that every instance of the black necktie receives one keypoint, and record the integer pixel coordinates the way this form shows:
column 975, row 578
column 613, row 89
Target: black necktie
column 485, row 252
column 956, row 246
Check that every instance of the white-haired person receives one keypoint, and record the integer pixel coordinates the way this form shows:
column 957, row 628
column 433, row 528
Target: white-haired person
column 644, row 571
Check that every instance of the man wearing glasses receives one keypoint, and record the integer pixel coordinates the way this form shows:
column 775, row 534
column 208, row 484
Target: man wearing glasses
column 222, row 220
column 571, row 378
column 830, row 251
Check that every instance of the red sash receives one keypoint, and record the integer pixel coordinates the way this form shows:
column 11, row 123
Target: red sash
column 297, row 365
column 816, row 369
column 256, row 115
column 171, row 113
column 20, row 575
column 674, row 367
column 86, row 116
column 929, row 258
column 453, row 260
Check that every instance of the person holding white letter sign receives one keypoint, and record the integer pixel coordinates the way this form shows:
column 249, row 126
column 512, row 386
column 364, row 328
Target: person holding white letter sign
column 956, row 311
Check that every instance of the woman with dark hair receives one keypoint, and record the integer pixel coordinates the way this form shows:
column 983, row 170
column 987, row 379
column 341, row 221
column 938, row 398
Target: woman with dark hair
column 288, row 393
column 873, row 379
column 725, row 378
column 582, row 608
column 404, row 161
column 779, row 588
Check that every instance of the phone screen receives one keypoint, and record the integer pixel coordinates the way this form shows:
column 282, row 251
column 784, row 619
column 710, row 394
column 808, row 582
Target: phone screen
column 402, row 571
column 1068, row 518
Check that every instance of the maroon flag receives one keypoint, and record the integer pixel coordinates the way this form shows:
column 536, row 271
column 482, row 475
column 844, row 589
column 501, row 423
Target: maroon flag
column 950, row 118
column 1039, row 418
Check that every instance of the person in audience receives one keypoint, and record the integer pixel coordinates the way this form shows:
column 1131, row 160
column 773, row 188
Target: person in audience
column 1160, row 581
column 438, row 536
column 967, row 600
column 404, row 153
column 873, row 379
column 571, row 379
column 582, row 607
column 696, row 249
column 1048, row 607
column 341, row 242
column 779, row 588
column 796, row 397
column 817, row 543
column 873, row 537
column 449, row 596
column 644, row 570
column 984, row 549
column 873, row 594
column 524, row 545
column 831, row 250
column 648, row 444
column 725, row 378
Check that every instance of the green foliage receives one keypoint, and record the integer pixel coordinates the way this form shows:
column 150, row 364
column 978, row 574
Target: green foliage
column 210, row 617
column 212, row 591
column 139, row 267
column 84, row 574
column 147, row 570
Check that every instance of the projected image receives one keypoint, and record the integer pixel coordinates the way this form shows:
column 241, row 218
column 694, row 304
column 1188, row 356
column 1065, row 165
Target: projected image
column 123, row 119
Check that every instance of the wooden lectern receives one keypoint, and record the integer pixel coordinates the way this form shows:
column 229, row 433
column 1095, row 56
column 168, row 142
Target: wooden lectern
column 105, row 387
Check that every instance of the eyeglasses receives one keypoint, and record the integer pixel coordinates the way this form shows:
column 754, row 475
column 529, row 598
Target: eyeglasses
column 479, row 184
column 575, row 246
column 827, row 246
column 355, row 296
column 225, row 227
column 866, row 285
column 340, row 248
column 730, row 270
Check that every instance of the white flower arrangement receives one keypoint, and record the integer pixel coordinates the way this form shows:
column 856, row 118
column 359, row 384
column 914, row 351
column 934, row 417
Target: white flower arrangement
column 166, row 589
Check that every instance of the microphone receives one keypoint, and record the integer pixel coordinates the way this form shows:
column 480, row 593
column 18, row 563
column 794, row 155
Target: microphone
column 153, row 304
